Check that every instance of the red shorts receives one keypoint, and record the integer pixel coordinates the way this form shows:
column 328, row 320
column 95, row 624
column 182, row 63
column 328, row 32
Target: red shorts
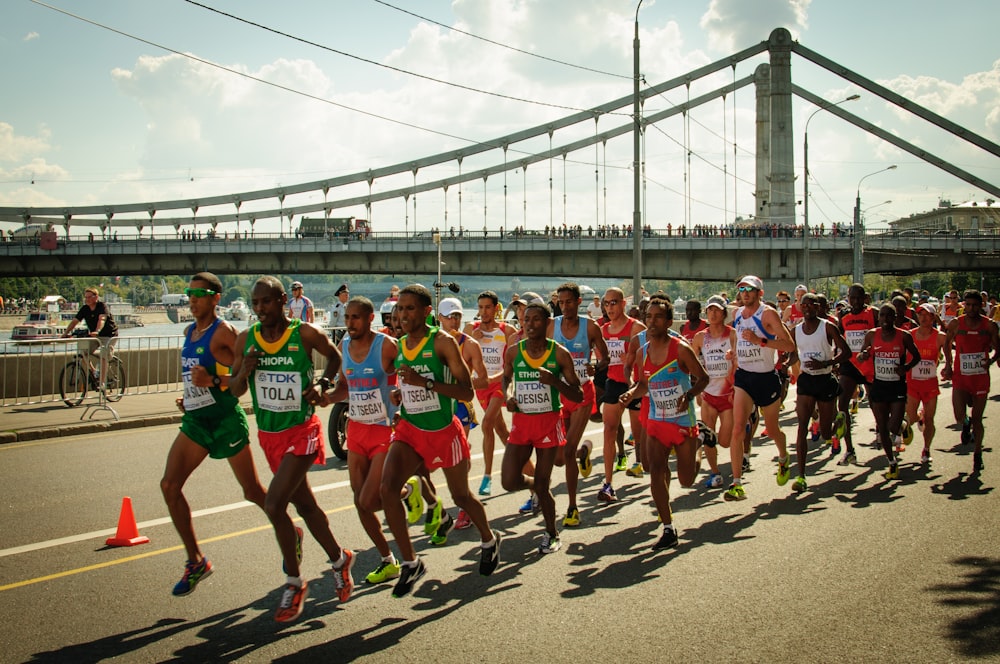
column 301, row 440
column 719, row 403
column 923, row 390
column 539, row 430
column 669, row 434
column 643, row 411
column 589, row 399
column 443, row 448
column 489, row 393
column 368, row 439
column 977, row 386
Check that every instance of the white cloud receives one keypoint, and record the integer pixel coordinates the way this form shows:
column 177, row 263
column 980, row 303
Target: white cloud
column 17, row 148
column 31, row 36
column 734, row 24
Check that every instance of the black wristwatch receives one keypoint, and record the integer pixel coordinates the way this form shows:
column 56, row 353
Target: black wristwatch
column 216, row 381
column 323, row 383
column 429, row 385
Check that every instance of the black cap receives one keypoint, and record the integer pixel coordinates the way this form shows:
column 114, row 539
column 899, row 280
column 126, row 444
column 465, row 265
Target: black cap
column 342, row 289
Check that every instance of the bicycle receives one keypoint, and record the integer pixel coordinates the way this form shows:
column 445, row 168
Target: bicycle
column 77, row 377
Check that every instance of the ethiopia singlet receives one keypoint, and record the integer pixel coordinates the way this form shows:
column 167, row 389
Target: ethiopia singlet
column 533, row 397
column 281, row 376
column 667, row 383
column 887, row 355
column 617, row 345
column 972, row 347
column 493, row 343
column 210, row 403
column 424, row 409
column 749, row 356
column 367, row 384
column 713, row 357
column 815, row 346
column 926, row 368
column 578, row 346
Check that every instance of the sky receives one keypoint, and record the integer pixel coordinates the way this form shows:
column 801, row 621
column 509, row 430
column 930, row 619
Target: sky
column 112, row 110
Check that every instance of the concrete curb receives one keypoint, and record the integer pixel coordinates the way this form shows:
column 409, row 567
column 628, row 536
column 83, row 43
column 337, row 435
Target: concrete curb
column 84, row 428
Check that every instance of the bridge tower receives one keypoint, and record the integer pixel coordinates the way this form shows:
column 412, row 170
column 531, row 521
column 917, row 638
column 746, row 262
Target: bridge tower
column 782, row 167
column 762, row 86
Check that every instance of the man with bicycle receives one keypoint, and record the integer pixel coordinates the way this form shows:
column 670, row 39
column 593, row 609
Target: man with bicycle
column 100, row 324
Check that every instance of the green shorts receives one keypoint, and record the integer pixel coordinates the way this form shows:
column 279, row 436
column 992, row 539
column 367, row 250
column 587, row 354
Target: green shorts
column 223, row 437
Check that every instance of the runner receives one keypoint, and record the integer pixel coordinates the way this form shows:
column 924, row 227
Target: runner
column 582, row 338
column 888, row 347
column 276, row 354
column 854, row 324
column 542, row 374
column 432, row 376
column 694, row 323
column 213, row 423
column 820, row 347
column 973, row 336
column 759, row 335
column 922, row 389
column 300, row 306
column 364, row 380
column 492, row 336
column 715, row 347
column 672, row 376
column 617, row 332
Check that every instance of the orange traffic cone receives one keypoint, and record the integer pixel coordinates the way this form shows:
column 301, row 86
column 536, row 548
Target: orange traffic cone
column 128, row 531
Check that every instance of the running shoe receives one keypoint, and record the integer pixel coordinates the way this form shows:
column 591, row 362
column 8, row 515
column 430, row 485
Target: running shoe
column 414, row 501
column 800, row 484
column 899, row 444
column 572, row 518
column 967, row 432
column 299, row 534
column 463, row 521
column 550, row 543
column 668, row 540
column 635, row 470
column 892, row 473
column 850, row 458
column 735, row 492
column 342, row 581
column 714, row 481
column 440, row 538
column 977, row 462
column 835, row 446
column 292, row 600
column 193, row 574
column 621, row 462
column 814, row 431
column 585, row 466
column 408, row 576
column 386, row 570
column 433, row 518
column 783, row 471
column 489, row 557
column 861, row 393
column 606, row 494
column 529, row 506
column 746, row 463
column 840, row 425
column 854, row 406
column 925, row 456
column 630, row 440
column 906, row 433
column 486, row 486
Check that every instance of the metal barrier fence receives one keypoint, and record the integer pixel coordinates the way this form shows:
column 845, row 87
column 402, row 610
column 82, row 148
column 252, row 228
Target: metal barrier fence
column 30, row 371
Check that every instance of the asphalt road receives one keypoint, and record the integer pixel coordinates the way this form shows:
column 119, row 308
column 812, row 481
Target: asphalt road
column 856, row 569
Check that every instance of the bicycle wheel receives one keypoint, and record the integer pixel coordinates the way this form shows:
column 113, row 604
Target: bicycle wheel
column 116, row 380
column 337, row 430
column 73, row 384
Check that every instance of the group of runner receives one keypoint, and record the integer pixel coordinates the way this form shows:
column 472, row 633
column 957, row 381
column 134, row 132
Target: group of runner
column 410, row 389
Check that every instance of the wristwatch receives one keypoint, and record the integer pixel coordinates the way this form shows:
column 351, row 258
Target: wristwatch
column 429, row 385
column 216, row 381
column 323, row 383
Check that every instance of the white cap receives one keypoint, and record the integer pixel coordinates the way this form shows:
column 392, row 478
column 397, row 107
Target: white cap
column 752, row 281
column 450, row 306
column 716, row 301
column 801, row 287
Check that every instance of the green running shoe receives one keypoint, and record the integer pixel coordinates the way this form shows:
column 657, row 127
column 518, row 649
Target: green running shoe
column 433, row 518
column 800, row 484
column 414, row 501
column 386, row 570
column 783, row 471
column 735, row 492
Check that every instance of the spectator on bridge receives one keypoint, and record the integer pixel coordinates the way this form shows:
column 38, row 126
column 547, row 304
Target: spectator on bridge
column 300, row 306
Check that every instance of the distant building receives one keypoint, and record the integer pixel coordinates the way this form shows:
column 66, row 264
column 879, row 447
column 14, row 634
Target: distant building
column 968, row 218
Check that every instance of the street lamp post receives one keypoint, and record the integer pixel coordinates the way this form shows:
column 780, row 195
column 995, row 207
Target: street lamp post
column 859, row 259
column 805, row 186
column 636, row 133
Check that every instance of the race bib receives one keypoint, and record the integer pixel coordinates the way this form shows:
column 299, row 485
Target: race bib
column 580, row 364
column 533, row 397
column 885, row 368
column 925, row 370
column 664, row 402
column 855, row 339
column 417, row 400
column 196, row 397
column 616, row 351
column 278, row 391
column 367, row 407
column 972, row 364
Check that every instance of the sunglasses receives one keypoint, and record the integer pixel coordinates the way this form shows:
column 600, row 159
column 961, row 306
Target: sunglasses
column 199, row 292
column 784, row 300
column 747, row 289
column 611, row 303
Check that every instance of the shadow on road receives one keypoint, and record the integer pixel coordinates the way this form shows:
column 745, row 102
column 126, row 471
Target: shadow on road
column 977, row 593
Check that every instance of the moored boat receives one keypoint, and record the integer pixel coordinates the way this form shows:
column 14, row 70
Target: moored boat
column 45, row 323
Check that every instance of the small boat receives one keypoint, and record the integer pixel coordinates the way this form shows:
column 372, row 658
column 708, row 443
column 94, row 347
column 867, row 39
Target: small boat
column 46, row 323
column 238, row 310
column 179, row 314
